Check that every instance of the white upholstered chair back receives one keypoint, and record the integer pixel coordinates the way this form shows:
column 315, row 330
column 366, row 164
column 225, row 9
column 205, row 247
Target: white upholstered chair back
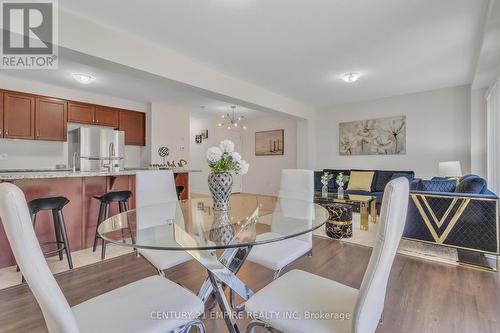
column 296, row 196
column 154, row 187
column 24, row 244
column 371, row 298
column 297, row 184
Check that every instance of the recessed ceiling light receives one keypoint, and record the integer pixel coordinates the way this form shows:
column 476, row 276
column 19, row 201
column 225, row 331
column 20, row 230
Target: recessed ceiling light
column 351, row 77
column 83, row 78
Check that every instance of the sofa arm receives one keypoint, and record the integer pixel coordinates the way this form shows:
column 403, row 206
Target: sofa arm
column 454, row 219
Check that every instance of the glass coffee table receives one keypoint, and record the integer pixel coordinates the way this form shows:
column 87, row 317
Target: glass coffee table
column 367, row 205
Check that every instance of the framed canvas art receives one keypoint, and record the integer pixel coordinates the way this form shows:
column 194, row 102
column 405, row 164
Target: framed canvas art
column 269, row 143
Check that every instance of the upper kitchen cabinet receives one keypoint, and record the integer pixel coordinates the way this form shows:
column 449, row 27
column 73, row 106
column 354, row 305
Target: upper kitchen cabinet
column 81, row 113
column 133, row 124
column 51, row 117
column 18, row 116
column 105, row 116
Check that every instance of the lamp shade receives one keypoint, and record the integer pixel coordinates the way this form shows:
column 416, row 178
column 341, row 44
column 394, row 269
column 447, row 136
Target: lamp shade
column 450, row 169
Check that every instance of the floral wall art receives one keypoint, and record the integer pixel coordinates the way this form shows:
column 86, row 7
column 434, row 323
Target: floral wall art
column 382, row 136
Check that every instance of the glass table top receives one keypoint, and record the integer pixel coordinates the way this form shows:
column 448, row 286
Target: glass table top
column 194, row 225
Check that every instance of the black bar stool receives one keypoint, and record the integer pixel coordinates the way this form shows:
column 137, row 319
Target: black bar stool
column 119, row 196
column 55, row 204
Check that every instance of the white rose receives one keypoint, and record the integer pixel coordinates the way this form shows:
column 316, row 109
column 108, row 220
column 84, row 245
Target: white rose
column 236, row 157
column 227, row 146
column 244, row 166
column 214, row 154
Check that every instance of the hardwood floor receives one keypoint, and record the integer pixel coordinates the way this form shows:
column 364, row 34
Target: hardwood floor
column 422, row 296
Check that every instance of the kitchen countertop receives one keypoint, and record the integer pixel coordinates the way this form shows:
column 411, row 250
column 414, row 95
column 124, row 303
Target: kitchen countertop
column 28, row 174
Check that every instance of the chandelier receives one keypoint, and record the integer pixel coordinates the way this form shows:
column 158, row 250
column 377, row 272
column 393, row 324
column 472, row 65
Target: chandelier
column 230, row 121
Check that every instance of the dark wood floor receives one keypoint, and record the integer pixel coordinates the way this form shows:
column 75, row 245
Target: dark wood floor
column 422, row 296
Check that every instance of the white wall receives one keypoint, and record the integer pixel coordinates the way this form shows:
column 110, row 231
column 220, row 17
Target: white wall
column 265, row 171
column 438, row 129
column 29, row 154
column 197, row 151
column 170, row 128
column 479, row 132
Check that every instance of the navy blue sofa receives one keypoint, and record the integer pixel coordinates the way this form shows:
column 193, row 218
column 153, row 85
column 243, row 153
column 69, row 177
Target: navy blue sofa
column 380, row 179
column 461, row 214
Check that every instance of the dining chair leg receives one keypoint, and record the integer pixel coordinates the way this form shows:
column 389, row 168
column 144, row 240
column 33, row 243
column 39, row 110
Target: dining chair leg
column 277, row 273
column 252, row 325
column 198, row 323
column 232, row 301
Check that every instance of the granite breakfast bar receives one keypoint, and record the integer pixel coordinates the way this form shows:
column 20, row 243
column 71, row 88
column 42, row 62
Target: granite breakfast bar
column 80, row 214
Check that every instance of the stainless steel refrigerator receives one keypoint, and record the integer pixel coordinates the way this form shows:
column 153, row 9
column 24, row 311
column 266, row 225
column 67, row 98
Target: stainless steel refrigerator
column 96, row 149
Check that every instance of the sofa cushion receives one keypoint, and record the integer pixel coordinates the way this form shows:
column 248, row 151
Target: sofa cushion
column 378, row 195
column 408, row 176
column 361, row 180
column 317, row 180
column 332, row 185
column 415, row 184
column 437, row 185
column 382, row 177
column 358, row 192
column 471, row 184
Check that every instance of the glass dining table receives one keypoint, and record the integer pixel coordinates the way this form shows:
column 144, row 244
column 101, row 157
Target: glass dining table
column 219, row 240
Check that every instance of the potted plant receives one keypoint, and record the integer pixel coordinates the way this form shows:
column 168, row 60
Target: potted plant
column 341, row 180
column 223, row 160
column 324, row 180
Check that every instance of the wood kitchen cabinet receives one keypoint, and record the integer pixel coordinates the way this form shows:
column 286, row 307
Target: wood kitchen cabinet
column 105, row 116
column 51, row 117
column 81, row 113
column 35, row 117
column 18, row 116
column 133, row 124
column 182, row 179
column 1, row 114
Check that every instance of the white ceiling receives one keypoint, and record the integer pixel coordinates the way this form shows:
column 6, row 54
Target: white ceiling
column 125, row 82
column 299, row 48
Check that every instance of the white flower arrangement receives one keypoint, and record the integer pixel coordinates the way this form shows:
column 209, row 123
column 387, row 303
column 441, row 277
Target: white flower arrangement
column 224, row 159
column 341, row 179
column 325, row 178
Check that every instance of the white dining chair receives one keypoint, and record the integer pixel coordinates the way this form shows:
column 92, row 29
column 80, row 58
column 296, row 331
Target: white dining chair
column 130, row 308
column 158, row 187
column 291, row 303
column 296, row 186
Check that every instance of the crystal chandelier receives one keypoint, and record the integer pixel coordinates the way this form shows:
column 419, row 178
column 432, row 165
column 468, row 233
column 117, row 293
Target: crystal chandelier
column 230, row 121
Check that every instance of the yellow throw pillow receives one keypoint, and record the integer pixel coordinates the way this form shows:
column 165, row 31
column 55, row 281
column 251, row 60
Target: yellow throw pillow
column 360, row 180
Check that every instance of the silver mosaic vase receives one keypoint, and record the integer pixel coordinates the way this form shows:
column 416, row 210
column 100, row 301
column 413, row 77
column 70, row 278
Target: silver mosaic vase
column 220, row 185
column 222, row 231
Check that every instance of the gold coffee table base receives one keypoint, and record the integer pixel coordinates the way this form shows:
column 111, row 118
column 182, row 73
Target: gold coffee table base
column 367, row 206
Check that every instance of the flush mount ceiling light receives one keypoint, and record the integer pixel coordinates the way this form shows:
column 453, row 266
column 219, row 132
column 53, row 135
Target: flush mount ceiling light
column 230, row 121
column 83, row 78
column 351, row 77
